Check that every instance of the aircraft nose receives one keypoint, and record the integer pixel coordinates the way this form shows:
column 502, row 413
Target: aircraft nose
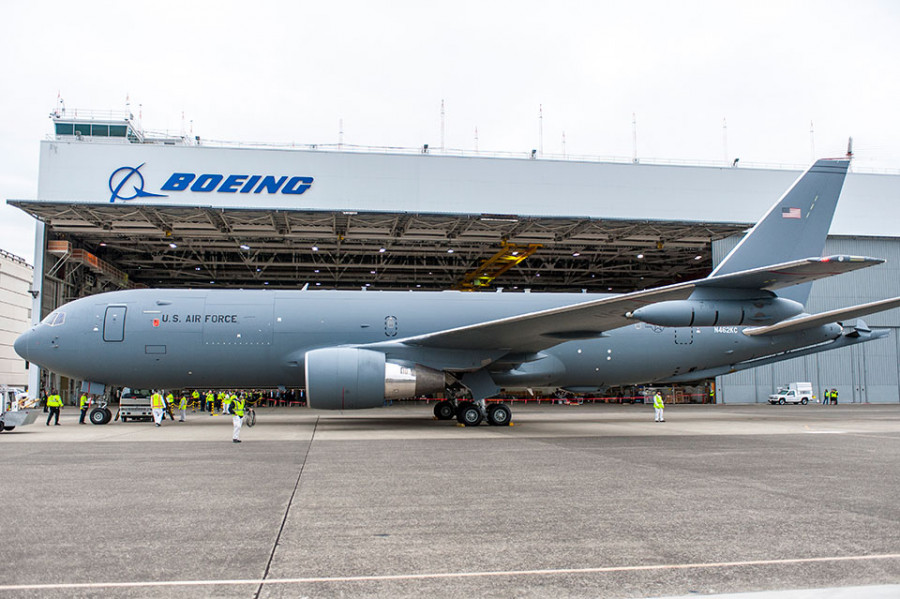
column 21, row 344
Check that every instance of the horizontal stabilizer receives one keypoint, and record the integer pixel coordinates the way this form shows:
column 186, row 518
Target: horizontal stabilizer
column 787, row 274
column 815, row 320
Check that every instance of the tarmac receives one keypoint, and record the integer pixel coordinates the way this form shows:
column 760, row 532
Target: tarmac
column 571, row 501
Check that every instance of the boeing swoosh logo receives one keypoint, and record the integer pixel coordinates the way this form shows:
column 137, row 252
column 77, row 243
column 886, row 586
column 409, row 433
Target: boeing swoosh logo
column 123, row 175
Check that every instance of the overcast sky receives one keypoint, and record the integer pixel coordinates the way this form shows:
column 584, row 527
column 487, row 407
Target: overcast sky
column 292, row 71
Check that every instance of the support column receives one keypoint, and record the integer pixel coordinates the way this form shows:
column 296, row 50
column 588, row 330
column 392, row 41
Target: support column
column 37, row 292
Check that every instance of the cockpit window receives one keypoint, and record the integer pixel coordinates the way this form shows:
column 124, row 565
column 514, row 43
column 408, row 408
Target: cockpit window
column 54, row 319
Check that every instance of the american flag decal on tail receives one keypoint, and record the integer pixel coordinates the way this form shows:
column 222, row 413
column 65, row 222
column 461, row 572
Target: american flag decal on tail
column 790, row 213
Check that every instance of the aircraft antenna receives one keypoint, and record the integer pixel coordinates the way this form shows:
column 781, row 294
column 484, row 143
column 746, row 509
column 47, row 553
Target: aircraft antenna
column 850, row 148
column 476, row 140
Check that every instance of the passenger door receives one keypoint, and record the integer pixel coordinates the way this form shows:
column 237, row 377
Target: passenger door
column 114, row 324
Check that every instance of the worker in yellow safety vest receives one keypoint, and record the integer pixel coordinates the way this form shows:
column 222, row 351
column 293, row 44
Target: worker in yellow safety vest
column 182, row 405
column 210, row 402
column 83, row 404
column 220, row 399
column 170, row 403
column 157, row 406
column 227, row 398
column 54, row 402
column 195, row 398
column 237, row 417
column 658, row 406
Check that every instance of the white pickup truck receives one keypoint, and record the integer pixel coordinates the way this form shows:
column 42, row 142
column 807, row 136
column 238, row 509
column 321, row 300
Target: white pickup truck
column 801, row 393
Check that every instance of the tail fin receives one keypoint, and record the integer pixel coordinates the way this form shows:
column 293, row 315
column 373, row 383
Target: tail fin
column 795, row 227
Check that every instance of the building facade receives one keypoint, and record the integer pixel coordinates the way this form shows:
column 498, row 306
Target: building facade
column 864, row 373
column 15, row 316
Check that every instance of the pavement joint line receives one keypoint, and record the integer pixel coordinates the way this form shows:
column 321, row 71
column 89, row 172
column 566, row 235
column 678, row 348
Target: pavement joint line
column 287, row 511
column 445, row 575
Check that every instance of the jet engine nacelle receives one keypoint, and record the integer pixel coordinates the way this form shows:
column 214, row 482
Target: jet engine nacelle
column 348, row 378
column 706, row 313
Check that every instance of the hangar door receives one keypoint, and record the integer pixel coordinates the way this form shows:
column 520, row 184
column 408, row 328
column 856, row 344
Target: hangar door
column 114, row 324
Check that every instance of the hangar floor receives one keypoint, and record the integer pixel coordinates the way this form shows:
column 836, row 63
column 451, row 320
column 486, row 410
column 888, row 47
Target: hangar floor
column 573, row 501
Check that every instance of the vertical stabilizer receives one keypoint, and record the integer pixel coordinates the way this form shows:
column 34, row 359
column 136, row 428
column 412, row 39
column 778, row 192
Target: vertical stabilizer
column 795, row 227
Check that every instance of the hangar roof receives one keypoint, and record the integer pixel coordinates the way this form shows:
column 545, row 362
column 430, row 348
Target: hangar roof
column 174, row 246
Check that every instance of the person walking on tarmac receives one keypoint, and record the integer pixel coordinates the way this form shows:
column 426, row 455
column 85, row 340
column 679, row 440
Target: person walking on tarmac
column 182, row 405
column 55, row 404
column 170, row 403
column 158, row 406
column 658, row 407
column 83, row 404
column 227, row 398
column 237, row 417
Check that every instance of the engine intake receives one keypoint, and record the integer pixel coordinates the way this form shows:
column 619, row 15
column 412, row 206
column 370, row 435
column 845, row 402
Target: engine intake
column 349, row 378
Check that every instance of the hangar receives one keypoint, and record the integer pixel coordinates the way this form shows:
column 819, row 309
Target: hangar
column 121, row 207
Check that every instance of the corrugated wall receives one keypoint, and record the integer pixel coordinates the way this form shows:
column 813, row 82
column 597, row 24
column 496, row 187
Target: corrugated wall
column 869, row 372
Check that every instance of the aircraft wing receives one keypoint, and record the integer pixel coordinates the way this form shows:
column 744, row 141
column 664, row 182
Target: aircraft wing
column 539, row 330
column 791, row 273
column 814, row 320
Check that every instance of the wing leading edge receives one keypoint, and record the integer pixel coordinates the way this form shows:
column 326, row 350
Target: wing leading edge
column 539, row 330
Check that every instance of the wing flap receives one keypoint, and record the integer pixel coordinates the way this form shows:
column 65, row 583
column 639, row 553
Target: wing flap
column 815, row 320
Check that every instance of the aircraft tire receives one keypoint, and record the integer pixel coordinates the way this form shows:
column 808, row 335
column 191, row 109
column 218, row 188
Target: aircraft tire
column 99, row 416
column 444, row 410
column 469, row 414
column 499, row 415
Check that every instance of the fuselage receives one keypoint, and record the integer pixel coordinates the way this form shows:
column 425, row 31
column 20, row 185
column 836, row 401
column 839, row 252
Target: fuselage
column 155, row 338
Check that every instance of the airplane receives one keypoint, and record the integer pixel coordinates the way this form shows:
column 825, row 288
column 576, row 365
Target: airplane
column 357, row 349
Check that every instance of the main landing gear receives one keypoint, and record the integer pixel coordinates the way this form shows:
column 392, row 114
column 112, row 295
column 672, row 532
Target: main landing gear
column 472, row 413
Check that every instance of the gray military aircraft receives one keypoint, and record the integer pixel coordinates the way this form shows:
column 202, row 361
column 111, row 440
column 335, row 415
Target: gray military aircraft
column 354, row 349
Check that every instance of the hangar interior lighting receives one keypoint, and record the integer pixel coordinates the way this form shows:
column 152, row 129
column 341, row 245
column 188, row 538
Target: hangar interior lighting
column 173, row 245
column 640, row 256
column 245, row 247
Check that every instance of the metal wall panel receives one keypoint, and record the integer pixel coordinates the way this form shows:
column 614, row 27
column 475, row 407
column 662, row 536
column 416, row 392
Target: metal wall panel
column 868, row 372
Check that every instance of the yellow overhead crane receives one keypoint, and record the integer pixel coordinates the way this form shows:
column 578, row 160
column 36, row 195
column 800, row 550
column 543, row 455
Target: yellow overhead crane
column 509, row 255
